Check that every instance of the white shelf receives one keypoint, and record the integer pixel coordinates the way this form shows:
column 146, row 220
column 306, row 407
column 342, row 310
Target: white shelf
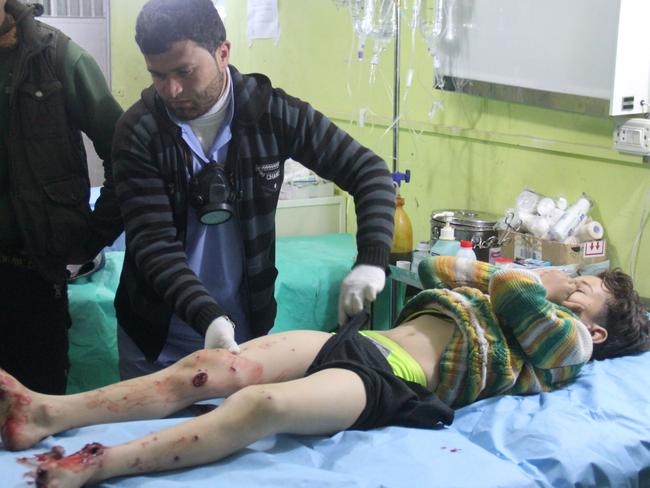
column 310, row 216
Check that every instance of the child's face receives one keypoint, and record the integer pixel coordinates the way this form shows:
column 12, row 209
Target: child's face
column 589, row 299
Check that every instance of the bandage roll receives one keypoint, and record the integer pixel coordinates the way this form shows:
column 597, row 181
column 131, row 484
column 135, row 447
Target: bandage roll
column 555, row 215
column 575, row 215
column 538, row 226
column 527, row 201
column 590, row 231
column 545, row 206
column 561, row 203
column 525, row 220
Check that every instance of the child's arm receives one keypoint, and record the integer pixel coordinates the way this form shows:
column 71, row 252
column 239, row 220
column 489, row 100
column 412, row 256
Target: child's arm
column 550, row 335
column 452, row 272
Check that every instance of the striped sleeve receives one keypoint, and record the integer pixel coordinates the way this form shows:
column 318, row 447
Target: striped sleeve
column 334, row 155
column 550, row 336
column 452, row 272
column 149, row 225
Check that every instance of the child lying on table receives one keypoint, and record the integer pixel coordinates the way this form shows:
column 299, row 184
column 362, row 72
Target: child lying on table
column 452, row 347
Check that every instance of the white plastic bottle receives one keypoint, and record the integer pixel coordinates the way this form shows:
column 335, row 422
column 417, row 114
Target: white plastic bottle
column 466, row 251
column 446, row 245
column 423, row 250
column 572, row 218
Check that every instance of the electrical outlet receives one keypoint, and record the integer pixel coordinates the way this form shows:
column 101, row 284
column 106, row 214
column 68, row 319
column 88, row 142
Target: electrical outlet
column 633, row 137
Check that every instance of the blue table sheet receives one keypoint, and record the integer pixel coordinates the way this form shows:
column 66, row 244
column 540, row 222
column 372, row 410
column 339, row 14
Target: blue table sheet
column 592, row 433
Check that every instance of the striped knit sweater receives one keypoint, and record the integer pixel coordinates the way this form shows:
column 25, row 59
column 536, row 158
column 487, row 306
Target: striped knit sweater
column 510, row 341
column 269, row 126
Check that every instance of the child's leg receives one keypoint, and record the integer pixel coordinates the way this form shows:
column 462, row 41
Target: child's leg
column 26, row 416
column 323, row 403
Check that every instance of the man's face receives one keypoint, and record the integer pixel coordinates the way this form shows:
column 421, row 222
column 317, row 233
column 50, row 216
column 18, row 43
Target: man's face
column 188, row 78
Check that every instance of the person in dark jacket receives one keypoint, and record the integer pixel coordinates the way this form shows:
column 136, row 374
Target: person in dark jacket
column 198, row 168
column 50, row 91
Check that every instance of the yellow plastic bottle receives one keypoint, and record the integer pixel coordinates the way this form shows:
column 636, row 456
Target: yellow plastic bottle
column 402, row 249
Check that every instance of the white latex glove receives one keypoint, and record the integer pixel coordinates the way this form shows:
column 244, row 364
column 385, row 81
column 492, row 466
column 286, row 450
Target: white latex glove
column 221, row 335
column 359, row 287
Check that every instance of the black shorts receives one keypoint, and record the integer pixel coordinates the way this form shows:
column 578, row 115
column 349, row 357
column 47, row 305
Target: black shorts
column 389, row 400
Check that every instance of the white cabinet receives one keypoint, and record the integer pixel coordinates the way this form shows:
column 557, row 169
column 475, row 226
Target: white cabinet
column 310, row 216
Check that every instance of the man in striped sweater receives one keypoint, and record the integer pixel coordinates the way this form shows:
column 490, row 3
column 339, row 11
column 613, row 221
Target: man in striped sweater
column 452, row 346
column 198, row 165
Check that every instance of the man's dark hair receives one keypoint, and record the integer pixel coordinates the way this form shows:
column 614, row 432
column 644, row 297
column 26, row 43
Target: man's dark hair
column 625, row 318
column 161, row 23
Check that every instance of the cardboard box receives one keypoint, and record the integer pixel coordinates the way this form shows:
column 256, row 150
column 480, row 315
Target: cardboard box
column 517, row 245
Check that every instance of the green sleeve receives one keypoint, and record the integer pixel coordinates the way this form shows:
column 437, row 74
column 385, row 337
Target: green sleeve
column 93, row 110
column 452, row 272
column 550, row 335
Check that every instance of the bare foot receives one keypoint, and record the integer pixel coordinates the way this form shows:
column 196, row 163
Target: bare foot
column 24, row 418
column 53, row 469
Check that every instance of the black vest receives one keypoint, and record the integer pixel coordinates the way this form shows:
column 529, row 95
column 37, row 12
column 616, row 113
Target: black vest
column 50, row 187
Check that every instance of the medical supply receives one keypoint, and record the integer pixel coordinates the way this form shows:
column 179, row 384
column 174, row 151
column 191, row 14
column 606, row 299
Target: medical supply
column 527, row 201
column 519, row 245
column 383, row 31
column 589, row 231
column 446, row 245
column 422, row 251
column 537, row 225
column 545, row 206
column 532, row 263
column 555, row 215
column 361, row 13
column 571, row 219
column 403, row 264
column 469, row 225
column 466, row 251
column 503, row 262
column 402, row 247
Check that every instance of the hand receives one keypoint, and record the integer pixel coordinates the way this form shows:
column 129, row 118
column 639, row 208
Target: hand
column 359, row 287
column 559, row 286
column 221, row 335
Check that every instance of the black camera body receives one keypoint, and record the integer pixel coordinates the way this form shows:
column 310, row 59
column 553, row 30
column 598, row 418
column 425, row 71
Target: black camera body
column 211, row 195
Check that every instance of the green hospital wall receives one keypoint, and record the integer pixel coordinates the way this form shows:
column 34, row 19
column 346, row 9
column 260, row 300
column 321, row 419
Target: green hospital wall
column 472, row 153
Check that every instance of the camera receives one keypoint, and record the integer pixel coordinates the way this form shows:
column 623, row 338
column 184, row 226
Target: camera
column 210, row 194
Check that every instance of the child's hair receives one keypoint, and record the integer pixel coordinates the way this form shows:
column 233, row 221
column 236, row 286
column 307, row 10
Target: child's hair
column 625, row 318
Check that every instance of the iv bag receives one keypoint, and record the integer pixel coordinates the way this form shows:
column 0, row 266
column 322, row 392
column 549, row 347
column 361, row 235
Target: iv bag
column 435, row 25
column 361, row 12
column 431, row 22
column 383, row 20
column 383, row 31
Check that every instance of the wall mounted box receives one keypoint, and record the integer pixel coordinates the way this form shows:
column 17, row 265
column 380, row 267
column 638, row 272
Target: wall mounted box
column 586, row 56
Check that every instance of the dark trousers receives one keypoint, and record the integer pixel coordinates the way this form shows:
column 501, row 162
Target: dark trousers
column 34, row 323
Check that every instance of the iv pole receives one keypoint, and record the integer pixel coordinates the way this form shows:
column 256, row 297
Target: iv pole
column 406, row 176
column 396, row 88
